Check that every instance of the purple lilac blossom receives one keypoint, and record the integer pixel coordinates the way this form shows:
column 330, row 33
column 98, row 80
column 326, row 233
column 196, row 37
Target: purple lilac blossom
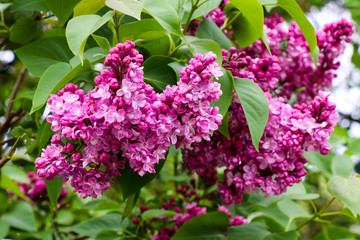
column 124, row 120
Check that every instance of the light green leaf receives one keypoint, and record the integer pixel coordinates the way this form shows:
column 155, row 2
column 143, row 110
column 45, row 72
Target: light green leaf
column 298, row 15
column 54, row 187
column 108, row 235
column 102, row 42
column 130, row 203
column 85, row 7
column 342, row 165
column 54, row 78
column 131, row 31
column 80, row 28
column 158, row 73
column 209, row 30
column 26, row 5
column 255, row 106
column 4, row 6
column 9, row 184
column 154, row 213
column 4, row 229
column 132, row 8
column 43, row 53
column 62, row 9
column 15, row 173
column 165, row 15
column 210, row 226
column 204, row 46
column 177, row 4
column 21, row 216
column 354, row 146
column 205, row 8
column 347, row 190
column 321, row 162
column 93, row 55
column 335, row 233
column 292, row 210
column 249, row 25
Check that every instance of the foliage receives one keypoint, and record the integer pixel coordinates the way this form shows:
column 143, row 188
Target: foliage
column 246, row 125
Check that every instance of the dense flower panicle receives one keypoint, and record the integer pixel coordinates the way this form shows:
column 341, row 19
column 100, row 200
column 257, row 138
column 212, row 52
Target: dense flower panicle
column 124, row 120
column 294, row 58
column 279, row 162
column 36, row 189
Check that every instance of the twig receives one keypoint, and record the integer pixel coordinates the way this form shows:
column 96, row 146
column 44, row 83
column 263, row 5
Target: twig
column 7, row 140
column 10, row 153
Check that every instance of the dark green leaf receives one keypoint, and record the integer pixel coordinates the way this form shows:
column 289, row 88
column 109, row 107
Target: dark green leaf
column 131, row 182
column 44, row 135
column 9, row 184
column 158, row 73
column 130, row 203
column 4, row 229
column 210, row 226
column 21, row 216
column 255, row 106
column 102, row 42
column 176, row 66
column 209, row 30
column 251, row 21
column 62, row 9
column 93, row 226
column 165, row 15
column 298, row 15
column 54, row 187
column 26, row 5
column 40, row 55
column 204, row 46
column 224, row 127
column 85, row 7
column 347, row 190
column 80, row 28
column 342, row 165
column 157, row 43
column 154, row 213
column 127, row 7
column 23, row 31
column 19, row 131
column 227, row 87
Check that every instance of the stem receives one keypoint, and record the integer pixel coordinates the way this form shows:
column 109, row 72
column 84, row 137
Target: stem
column 192, row 10
column 316, row 215
column 226, row 24
column 11, row 152
column 117, row 25
column 18, row 82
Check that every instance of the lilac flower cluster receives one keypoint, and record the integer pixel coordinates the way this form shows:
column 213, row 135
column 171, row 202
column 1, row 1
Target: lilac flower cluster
column 279, row 162
column 294, row 58
column 36, row 189
column 124, row 120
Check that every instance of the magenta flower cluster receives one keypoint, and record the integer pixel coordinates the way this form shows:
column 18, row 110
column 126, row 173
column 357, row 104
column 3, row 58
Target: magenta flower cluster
column 124, row 120
column 290, row 131
column 36, row 189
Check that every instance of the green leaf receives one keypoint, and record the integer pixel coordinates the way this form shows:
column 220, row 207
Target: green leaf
column 108, row 235
column 205, row 8
column 15, row 173
column 321, row 162
column 93, row 55
column 131, row 31
column 292, row 210
column 131, row 182
column 204, row 46
column 251, row 19
column 23, row 31
column 258, row 231
column 85, row 7
column 93, row 226
column 9, row 184
column 158, row 73
column 209, row 30
column 43, row 53
column 4, row 229
column 227, row 87
column 26, row 5
column 54, row 187
column 80, row 28
column 176, row 66
column 298, row 15
column 353, row 146
column 45, row 134
column 347, row 190
column 132, row 8
column 255, row 106
column 165, row 15
column 130, row 203
column 342, row 165
column 210, row 226
column 102, row 42
column 54, row 78
column 157, row 43
column 155, row 213
column 62, row 9
column 335, row 233
column 177, row 4
column 21, row 216
column 270, row 222
column 4, row 6
column 224, row 127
